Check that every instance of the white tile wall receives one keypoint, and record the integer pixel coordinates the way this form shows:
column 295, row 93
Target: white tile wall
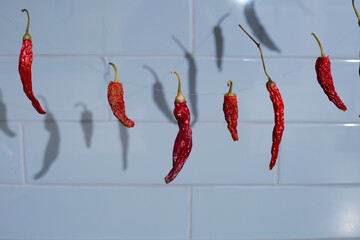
column 75, row 173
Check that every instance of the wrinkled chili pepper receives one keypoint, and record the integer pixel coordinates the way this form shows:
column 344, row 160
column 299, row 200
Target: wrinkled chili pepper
column 278, row 105
column 323, row 74
column 279, row 120
column 230, row 109
column 25, row 61
column 115, row 94
column 183, row 141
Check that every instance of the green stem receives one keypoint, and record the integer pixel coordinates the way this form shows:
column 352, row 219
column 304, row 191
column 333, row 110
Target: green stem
column 356, row 12
column 116, row 73
column 180, row 97
column 321, row 49
column 230, row 93
column 28, row 23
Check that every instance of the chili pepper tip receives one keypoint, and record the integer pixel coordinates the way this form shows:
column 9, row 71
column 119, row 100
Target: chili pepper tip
column 179, row 97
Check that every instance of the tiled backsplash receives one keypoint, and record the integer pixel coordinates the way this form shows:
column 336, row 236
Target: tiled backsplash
column 76, row 173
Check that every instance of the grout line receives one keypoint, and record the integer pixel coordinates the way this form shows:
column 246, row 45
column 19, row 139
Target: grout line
column 190, row 214
column 235, row 57
column 22, row 153
column 346, row 124
column 343, row 238
column 252, row 186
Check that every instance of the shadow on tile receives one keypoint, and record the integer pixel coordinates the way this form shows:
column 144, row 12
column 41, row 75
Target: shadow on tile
column 192, row 81
column 258, row 29
column 3, row 118
column 86, row 122
column 219, row 42
column 124, row 139
column 159, row 97
column 53, row 145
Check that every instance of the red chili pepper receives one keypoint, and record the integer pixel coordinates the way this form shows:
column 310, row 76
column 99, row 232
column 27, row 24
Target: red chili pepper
column 115, row 95
column 278, row 110
column 323, row 73
column 230, row 109
column 279, row 120
column 183, row 141
column 25, row 61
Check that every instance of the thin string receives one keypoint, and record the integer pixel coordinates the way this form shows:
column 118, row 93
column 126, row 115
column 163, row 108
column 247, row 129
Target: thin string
column 281, row 78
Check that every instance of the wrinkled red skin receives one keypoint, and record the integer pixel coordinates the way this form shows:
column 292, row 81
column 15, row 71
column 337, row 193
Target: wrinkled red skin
column 25, row 61
column 230, row 109
column 323, row 73
column 183, row 141
column 279, row 123
column 115, row 95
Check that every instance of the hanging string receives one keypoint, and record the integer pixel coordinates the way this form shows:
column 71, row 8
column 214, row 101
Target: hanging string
column 144, row 87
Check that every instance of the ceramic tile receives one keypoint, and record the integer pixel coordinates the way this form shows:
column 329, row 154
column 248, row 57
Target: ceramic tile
column 143, row 154
column 282, row 27
column 316, row 154
column 60, row 84
column 123, row 27
column 274, row 213
column 93, row 213
column 10, row 153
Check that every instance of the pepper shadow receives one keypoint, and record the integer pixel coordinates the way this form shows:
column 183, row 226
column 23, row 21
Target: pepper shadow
column 53, row 145
column 219, row 42
column 192, row 81
column 86, row 122
column 257, row 28
column 3, row 118
column 159, row 97
column 124, row 139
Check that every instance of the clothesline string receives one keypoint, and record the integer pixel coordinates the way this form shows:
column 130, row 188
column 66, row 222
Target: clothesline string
column 278, row 79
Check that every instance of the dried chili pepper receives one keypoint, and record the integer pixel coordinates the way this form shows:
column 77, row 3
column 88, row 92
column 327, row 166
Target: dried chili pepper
column 115, row 94
column 230, row 109
column 183, row 141
column 25, row 61
column 278, row 105
column 323, row 73
column 279, row 120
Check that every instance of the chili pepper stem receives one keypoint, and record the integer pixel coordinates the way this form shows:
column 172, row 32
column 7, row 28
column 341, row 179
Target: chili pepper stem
column 258, row 45
column 230, row 93
column 180, row 97
column 27, row 35
column 116, row 73
column 356, row 12
column 321, row 49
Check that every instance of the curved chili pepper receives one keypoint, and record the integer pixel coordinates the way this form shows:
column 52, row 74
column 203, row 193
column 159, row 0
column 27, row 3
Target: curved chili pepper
column 115, row 94
column 25, row 61
column 230, row 109
column 279, row 120
column 183, row 141
column 323, row 73
column 278, row 105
